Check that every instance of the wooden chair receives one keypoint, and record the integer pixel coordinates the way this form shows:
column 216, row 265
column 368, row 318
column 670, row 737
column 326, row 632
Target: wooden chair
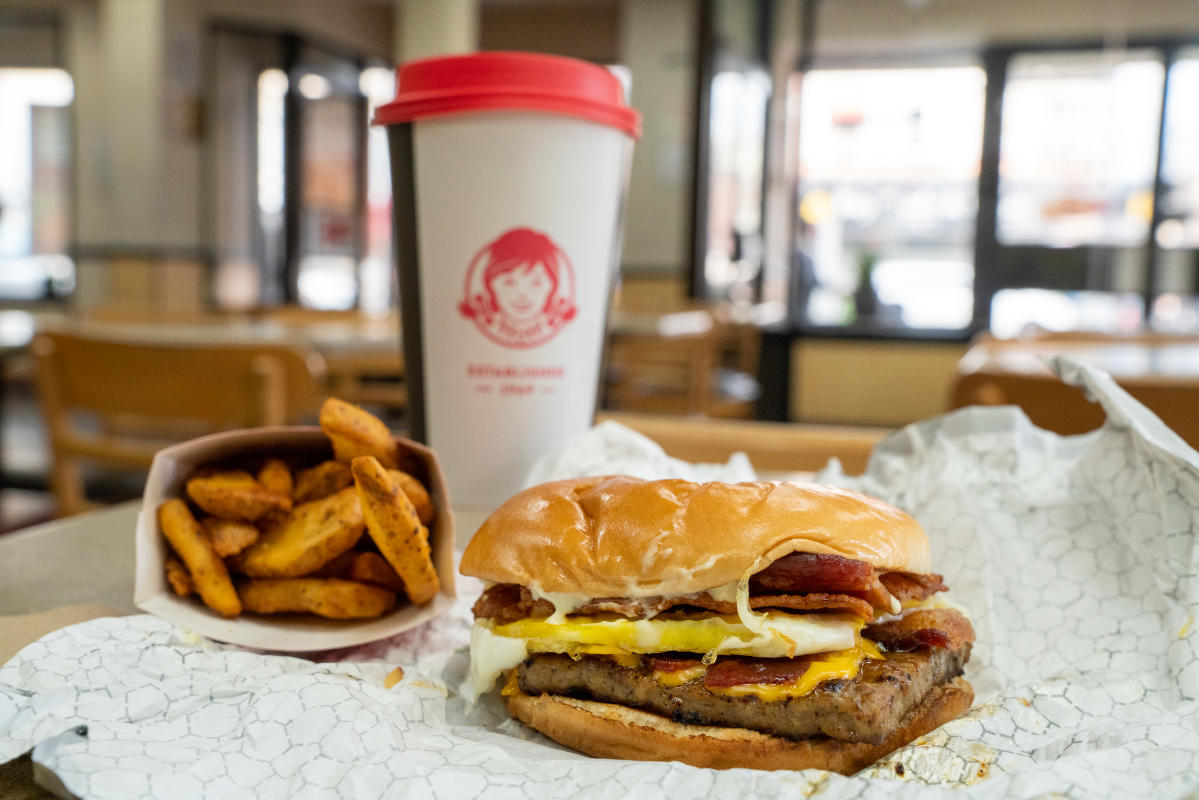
column 660, row 374
column 370, row 379
column 707, row 366
column 139, row 395
column 365, row 376
column 142, row 315
column 771, row 446
column 302, row 315
column 1159, row 370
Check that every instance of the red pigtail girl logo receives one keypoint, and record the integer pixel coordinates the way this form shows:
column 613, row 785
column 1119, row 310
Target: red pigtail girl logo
column 520, row 289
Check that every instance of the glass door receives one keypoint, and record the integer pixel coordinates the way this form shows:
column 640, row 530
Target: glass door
column 331, row 138
column 1176, row 234
column 1078, row 148
column 35, row 184
column 887, row 196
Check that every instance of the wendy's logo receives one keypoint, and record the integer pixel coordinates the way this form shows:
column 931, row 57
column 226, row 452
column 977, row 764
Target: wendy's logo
column 520, row 289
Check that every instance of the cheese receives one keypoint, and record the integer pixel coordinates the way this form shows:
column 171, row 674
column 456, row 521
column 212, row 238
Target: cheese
column 844, row 664
column 495, row 648
column 679, row 676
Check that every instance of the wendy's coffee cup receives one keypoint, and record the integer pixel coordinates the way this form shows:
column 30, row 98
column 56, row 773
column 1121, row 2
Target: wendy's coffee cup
column 509, row 172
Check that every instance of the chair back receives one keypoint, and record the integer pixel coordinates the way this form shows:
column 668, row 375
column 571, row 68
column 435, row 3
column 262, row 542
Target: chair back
column 140, row 394
column 772, row 447
column 701, row 365
column 1159, row 370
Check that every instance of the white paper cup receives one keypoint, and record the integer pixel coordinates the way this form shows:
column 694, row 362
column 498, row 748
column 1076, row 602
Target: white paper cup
column 508, row 177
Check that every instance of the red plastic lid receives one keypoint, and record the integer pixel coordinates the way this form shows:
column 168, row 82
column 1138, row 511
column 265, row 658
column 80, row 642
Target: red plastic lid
column 434, row 87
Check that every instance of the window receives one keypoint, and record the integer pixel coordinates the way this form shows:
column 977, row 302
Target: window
column 887, row 195
column 737, row 133
column 376, row 275
column 331, row 140
column 1078, row 148
column 35, row 183
column 1088, row 234
column 302, row 200
column 1176, row 236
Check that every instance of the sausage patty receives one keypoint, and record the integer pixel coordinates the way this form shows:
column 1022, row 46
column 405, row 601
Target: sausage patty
column 863, row 709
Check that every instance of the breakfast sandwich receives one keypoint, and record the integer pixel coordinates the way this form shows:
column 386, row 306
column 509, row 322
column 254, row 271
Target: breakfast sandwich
column 763, row 625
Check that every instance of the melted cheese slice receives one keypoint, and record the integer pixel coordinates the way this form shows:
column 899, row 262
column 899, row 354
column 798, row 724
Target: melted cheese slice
column 843, row 664
column 679, row 676
column 495, row 648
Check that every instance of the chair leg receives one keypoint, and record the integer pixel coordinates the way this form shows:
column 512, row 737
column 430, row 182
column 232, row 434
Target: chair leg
column 66, row 482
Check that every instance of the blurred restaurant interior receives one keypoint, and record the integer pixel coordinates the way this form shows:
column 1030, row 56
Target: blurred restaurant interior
column 843, row 216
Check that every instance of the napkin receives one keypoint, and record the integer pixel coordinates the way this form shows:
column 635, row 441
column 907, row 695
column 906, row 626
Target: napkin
column 1076, row 556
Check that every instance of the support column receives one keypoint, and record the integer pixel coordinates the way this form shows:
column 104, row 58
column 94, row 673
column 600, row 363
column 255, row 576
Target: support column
column 435, row 27
column 122, row 144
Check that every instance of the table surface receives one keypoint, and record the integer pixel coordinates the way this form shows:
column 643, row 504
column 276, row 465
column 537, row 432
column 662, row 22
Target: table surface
column 333, row 337
column 1159, row 360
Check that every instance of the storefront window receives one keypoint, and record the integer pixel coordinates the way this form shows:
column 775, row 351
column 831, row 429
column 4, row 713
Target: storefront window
column 1176, row 308
column 888, row 172
column 1078, row 148
column 35, row 183
column 376, row 277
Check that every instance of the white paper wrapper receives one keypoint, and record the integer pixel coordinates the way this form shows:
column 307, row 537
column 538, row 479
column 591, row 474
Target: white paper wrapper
column 1077, row 557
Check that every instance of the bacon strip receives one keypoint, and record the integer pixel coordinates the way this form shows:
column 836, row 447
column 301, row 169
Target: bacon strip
column 508, row 602
column 735, row 671
column 664, row 663
column 907, row 586
column 503, row 603
column 813, row 601
column 800, row 573
column 940, row 627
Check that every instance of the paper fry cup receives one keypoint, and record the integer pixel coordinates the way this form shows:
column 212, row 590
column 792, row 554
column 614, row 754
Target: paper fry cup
column 292, row 632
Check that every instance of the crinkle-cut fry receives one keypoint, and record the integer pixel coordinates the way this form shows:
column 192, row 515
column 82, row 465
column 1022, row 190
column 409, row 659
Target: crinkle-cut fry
column 355, row 432
column 234, row 494
column 312, row 535
column 417, row 494
column 229, row 536
column 179, row 578
column 208, row 572
column 327, row 597
column 373, row 568
column 393, row 524
column 320, row 481
column 275, row 476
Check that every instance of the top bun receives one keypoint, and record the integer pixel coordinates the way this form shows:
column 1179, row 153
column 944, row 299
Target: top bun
column 625, row 537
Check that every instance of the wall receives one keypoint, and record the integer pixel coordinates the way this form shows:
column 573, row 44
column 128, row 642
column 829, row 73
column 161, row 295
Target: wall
column 587, row 30
column 657, row 45
column 138, row 67
column 871, row 383
column 855, row 27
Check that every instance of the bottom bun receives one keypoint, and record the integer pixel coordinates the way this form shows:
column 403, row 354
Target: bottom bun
column 614, row 731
